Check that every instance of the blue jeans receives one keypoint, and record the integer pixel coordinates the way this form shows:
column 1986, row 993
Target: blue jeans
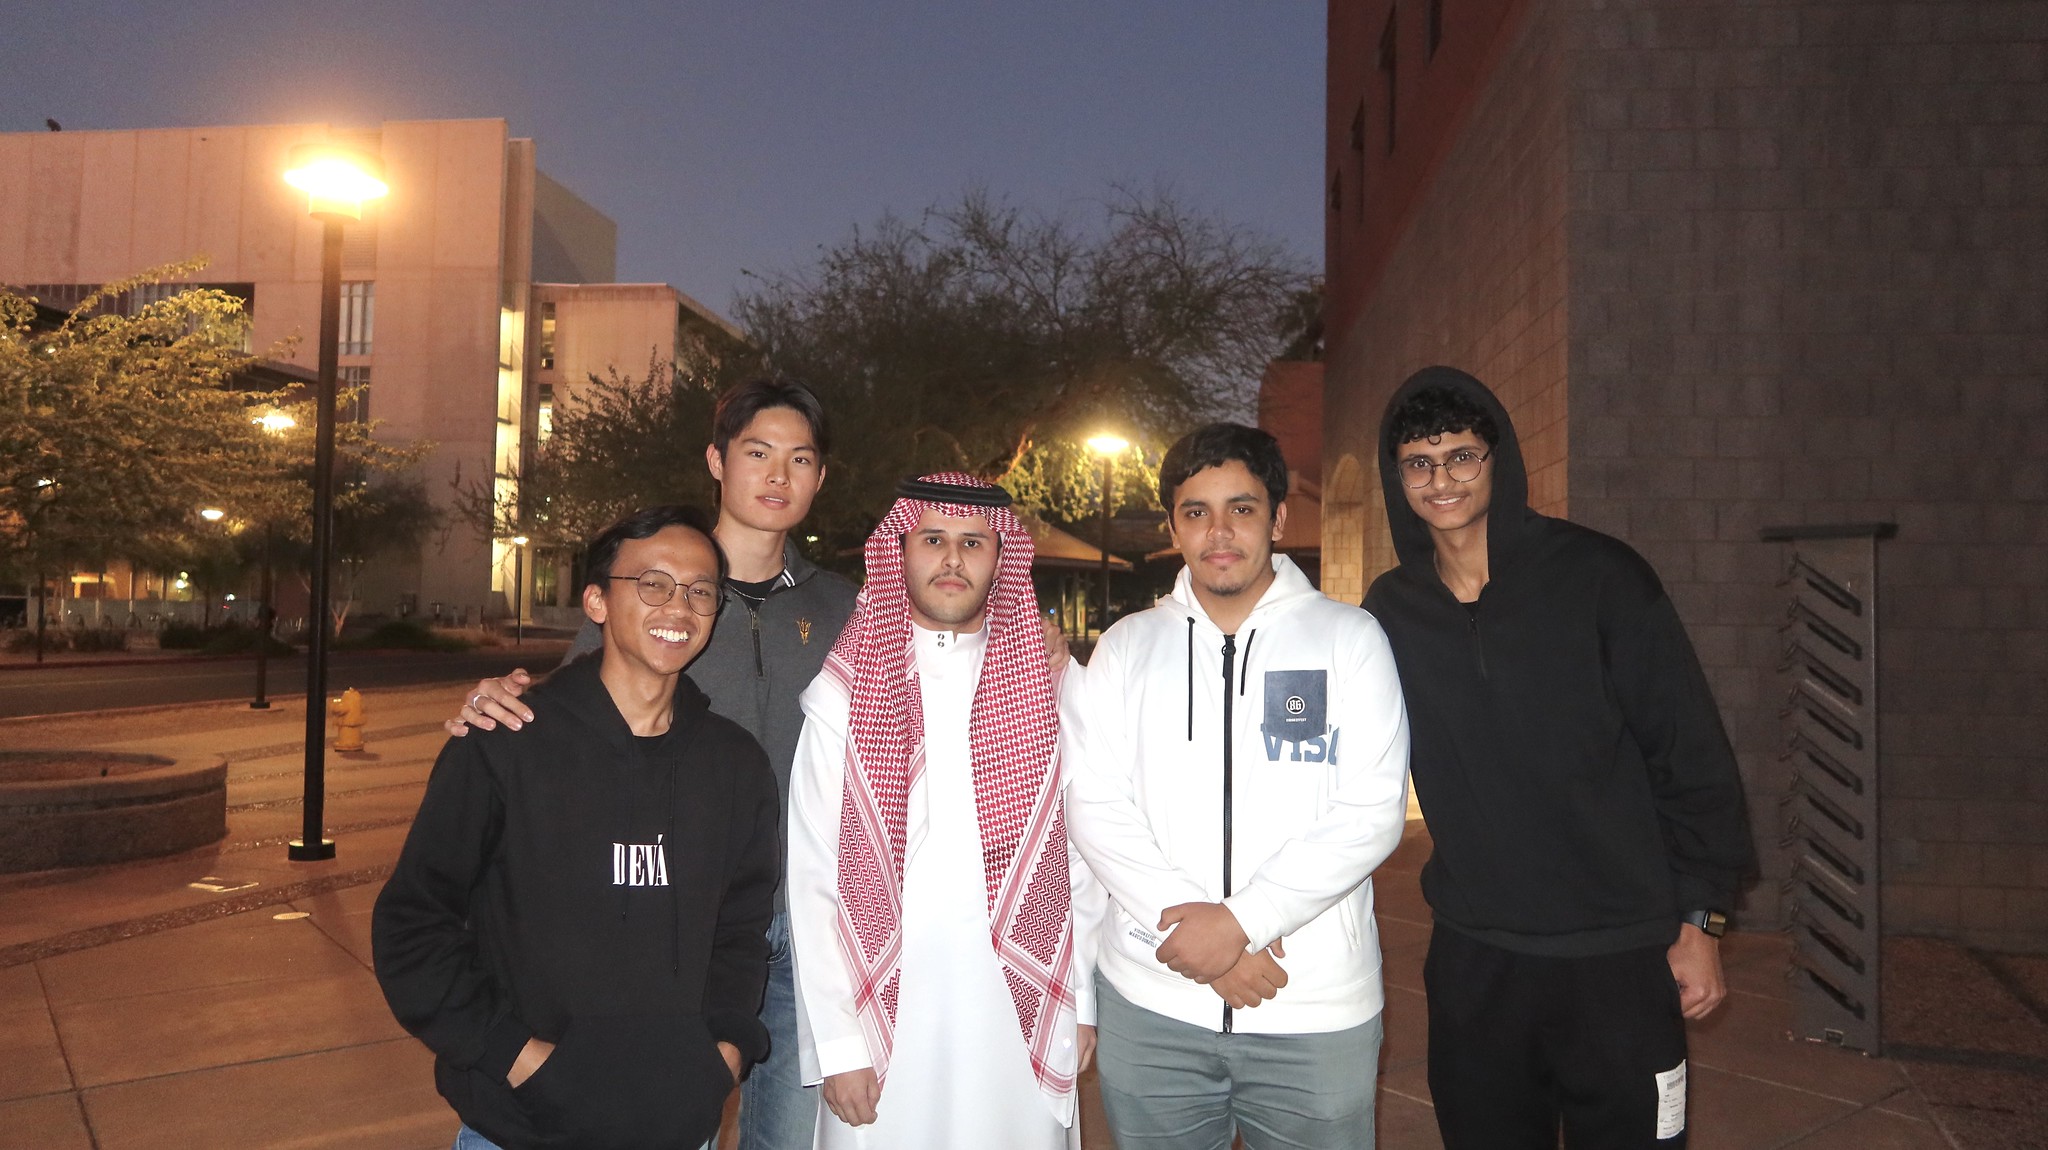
column 777, row 1111
column 1170, row 1086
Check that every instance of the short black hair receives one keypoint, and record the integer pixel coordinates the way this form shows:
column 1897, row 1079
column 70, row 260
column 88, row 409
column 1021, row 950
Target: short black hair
column 604, row 550
column 738, row 407
column 1439, row 410
column 1218, row 444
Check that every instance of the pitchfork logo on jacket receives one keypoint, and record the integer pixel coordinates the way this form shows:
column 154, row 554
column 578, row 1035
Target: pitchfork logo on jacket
column 639, row 864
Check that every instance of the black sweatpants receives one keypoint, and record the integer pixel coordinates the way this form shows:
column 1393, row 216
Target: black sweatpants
column 1520, row 1043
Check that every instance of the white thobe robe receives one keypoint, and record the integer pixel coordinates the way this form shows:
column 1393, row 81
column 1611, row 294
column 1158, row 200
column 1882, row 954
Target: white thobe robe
column 959, row 1073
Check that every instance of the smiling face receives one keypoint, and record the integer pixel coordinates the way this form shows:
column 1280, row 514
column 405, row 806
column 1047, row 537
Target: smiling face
column 770, row 472
column 1445, row 504
column 949, row 564
column 1225, row 525
column 654, row 640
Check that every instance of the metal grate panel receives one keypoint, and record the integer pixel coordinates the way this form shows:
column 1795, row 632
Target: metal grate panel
column 1833, row 889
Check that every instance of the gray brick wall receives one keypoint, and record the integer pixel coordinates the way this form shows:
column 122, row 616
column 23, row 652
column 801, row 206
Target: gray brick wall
column 1809, row 283
column 1736, row 264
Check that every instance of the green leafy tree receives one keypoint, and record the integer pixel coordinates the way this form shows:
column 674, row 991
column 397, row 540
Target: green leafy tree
column 116, row 430
column 985, row 339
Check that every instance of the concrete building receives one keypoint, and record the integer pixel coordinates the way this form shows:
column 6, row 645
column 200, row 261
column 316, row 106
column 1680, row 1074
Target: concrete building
column 1733, row 266
column 441, row 284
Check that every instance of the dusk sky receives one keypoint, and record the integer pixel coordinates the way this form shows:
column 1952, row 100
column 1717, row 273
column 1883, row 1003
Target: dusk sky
column 744, row 136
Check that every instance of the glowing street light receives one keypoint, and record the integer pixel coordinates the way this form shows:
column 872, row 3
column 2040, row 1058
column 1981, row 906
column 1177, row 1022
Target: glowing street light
column 337, row 182
column 213, row 514
column 275, row 422
column 1108, row 447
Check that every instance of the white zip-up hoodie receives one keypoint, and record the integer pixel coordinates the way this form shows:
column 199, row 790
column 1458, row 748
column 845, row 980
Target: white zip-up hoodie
column 1298, row 718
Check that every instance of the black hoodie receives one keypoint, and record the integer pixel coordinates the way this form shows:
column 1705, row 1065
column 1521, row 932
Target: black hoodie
column 520, row 907
column 1567, row 753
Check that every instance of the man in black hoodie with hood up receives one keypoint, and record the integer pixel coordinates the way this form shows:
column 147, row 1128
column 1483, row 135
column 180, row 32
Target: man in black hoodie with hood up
column 577, row 924
column 1581, row 793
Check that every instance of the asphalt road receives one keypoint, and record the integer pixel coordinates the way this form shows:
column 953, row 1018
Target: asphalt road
column 61, row 690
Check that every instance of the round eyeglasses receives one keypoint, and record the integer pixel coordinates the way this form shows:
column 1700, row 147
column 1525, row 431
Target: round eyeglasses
column 1462, row 466
column 656, row 588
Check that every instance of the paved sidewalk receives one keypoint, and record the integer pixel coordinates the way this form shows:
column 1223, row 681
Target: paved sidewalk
column 223, row 998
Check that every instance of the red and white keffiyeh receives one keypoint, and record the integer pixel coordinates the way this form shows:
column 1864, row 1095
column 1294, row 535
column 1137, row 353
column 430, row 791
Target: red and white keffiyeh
column 1014, row 748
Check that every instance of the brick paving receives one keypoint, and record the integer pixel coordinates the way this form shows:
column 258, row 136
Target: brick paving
column 139, row 1010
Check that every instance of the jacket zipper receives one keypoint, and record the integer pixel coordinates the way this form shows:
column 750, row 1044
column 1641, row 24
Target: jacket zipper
column 754, row 625
column 1229, row 674
column 1478, row 647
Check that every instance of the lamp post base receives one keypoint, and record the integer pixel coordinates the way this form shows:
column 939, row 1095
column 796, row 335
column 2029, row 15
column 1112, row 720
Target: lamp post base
column 321, row 851
column 263, row 705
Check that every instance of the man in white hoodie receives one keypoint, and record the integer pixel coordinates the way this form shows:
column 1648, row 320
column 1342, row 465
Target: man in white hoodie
column 1243, row 751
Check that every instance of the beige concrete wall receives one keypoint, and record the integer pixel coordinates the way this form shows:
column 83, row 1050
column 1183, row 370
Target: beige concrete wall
column 601, row 327
column 89, row 207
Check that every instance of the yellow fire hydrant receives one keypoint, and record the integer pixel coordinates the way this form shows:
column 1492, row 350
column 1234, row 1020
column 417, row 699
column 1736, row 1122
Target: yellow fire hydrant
column 347, row 711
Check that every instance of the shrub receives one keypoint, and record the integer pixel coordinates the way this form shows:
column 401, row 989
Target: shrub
column 407, row 635
column 96, row 639
column 23, row 642
column 180, row 636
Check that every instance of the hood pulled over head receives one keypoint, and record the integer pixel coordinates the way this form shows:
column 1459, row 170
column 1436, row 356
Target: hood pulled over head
column 1509, row 513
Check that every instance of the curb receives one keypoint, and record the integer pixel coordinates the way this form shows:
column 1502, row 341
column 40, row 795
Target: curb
column 136, row 661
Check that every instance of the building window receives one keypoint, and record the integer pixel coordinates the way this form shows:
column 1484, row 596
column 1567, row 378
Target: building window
column 1358, row 158
column 353, row 387
column 358, row 316
column 1387, row 70
column 544, row 413
column 1337, row 193
column 547, row 335
column 1436, row 26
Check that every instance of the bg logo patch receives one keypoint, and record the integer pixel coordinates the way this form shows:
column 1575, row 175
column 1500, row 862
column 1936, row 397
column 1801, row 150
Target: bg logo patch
column 1298, row 717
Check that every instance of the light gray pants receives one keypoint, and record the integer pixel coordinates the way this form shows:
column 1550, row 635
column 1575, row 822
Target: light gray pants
column 1170, row 1086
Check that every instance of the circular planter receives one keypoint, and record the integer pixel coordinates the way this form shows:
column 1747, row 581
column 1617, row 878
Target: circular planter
column 84, row 808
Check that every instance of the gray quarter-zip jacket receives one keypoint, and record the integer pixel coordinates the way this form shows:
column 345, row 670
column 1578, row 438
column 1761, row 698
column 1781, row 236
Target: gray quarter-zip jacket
column 761, row 658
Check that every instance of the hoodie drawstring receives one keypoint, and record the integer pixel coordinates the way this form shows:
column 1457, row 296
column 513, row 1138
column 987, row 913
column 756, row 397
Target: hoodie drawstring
column 1191, row 678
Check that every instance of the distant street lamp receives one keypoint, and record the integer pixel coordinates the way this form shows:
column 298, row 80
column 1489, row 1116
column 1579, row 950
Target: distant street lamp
column 518, row 590
column 336, row 181
column 213, row 514
column 276, row 423
column 1108, row 447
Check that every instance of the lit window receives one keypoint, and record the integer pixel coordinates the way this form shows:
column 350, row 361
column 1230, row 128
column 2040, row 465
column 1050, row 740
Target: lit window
column 547, row 335
column 353, row 385
column 358, row 316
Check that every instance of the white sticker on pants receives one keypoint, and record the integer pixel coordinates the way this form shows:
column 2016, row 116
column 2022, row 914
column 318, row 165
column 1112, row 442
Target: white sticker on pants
column 1671, row 1102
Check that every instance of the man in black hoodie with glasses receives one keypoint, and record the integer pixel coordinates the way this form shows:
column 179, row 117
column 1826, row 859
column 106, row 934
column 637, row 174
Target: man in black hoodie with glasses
column 577, row 924
column 1581, row 793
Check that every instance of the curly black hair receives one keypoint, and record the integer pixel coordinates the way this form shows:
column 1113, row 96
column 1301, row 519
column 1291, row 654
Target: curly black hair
column 1440, row 410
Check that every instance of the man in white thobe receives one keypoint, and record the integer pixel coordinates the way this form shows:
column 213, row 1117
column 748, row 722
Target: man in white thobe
column 943, row 928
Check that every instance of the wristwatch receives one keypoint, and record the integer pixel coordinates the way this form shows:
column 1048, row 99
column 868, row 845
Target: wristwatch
column 1713, row 922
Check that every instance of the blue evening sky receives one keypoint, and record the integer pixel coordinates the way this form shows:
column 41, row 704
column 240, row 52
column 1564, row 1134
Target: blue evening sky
column 744, row 135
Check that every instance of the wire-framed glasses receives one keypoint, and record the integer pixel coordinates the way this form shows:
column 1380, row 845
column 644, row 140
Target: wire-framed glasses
column 1461, row 465
column 656, row 588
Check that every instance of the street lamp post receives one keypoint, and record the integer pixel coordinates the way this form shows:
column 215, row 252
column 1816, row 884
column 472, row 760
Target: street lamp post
column 336, row 182
column 518, row 590
column 1108, row 447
